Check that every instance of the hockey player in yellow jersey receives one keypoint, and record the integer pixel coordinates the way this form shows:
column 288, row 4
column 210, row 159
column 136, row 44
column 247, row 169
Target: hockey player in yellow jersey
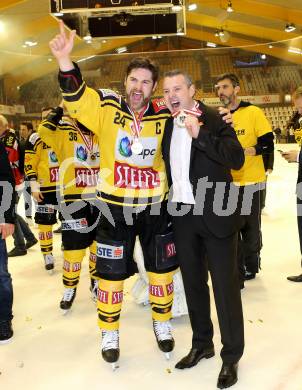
column 42, row 169
column 256, row 137
column 132, row 190
column 78, row 154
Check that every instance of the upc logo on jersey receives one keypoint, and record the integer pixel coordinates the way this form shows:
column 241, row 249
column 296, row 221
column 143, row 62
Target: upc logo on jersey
column 123, row 152
column 126, row 176
column 156, row 291
column 170, row 288
column 170, row 250
column 86, row 177
column 81, row 153
column 125, row 147
column 117, row 297
column 53, row 157
column 75, row 224
column 54, row 174
column 110, row 251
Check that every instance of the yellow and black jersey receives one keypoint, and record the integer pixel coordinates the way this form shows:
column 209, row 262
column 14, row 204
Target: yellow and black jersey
column 41, row 164
column 126, row 178
column 298, row 131
column 250, row 124
column 77, row 150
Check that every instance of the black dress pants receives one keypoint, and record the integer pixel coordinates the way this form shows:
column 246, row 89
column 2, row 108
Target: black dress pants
column 199, row 251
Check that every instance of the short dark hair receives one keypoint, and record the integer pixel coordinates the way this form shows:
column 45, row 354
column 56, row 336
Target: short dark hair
column 144, row 63
column 29, row 125
column 178, row 72
column 230, row 76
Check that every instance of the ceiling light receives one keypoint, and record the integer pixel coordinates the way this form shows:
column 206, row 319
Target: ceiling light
column 176, row 8
column 192, row 7
column 121, row 50
column 290, row 27
column 30, row 42
column 85, row 59
column 229, row 7
column 263, row 56
column 49, row 60
column 294, row 50
column 57, row 14
column 211, row 44
column 87, row 37
column 270, row 46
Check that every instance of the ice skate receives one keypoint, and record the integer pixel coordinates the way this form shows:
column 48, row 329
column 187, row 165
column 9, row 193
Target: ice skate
column 67, row 300
column 164, row 338
column 49, row 263
column 110, row 347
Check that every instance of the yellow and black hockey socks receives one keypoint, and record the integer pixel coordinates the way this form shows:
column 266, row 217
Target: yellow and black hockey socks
column 72, row 267
column 45, row 238
column 109, row 303
column 161, row 291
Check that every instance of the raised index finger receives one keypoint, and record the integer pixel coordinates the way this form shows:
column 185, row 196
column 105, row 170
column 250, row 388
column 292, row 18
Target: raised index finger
column 62, row 29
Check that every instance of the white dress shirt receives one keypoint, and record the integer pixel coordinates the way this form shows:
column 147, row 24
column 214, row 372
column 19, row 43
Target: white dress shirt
column 180, row 152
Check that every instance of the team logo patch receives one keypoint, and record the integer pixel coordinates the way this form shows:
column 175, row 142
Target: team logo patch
column 110, row 251
column 125, row 147
column 109, row 93
column 76, row 267
column 81, row 153
column 75, row 224
column 156, row 291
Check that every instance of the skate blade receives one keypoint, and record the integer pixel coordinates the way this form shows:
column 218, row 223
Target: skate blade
column 65, row 311
column 50, row 271
column 115, row 366
column 167, row 355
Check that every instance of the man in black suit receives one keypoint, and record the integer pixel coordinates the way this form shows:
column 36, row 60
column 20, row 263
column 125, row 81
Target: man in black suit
column 296, row 156
column 199, row 150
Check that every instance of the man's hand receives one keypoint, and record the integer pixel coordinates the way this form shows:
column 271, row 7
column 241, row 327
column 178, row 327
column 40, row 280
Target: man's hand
column 61, row 47
column 37, row 196
column 250, row 151
column 6, row 229
column 226, row 115
column 291, row 155
column 193, row 125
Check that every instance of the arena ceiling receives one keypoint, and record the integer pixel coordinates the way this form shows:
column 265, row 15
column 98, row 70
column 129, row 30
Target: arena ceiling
column 257, row 26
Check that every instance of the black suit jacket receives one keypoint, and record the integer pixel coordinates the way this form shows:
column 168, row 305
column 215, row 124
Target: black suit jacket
column 213, row 154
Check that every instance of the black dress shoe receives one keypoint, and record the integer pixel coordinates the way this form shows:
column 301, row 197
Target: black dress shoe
column 297, row 278
column 249, row 275
column 31, row 243
column 228, row 375
column 194, row 356
column 17, row 252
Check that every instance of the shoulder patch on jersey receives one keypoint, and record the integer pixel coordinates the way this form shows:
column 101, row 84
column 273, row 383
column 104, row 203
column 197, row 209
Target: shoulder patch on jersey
column 34, row 138
column 108, row 93
column 159, row 105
